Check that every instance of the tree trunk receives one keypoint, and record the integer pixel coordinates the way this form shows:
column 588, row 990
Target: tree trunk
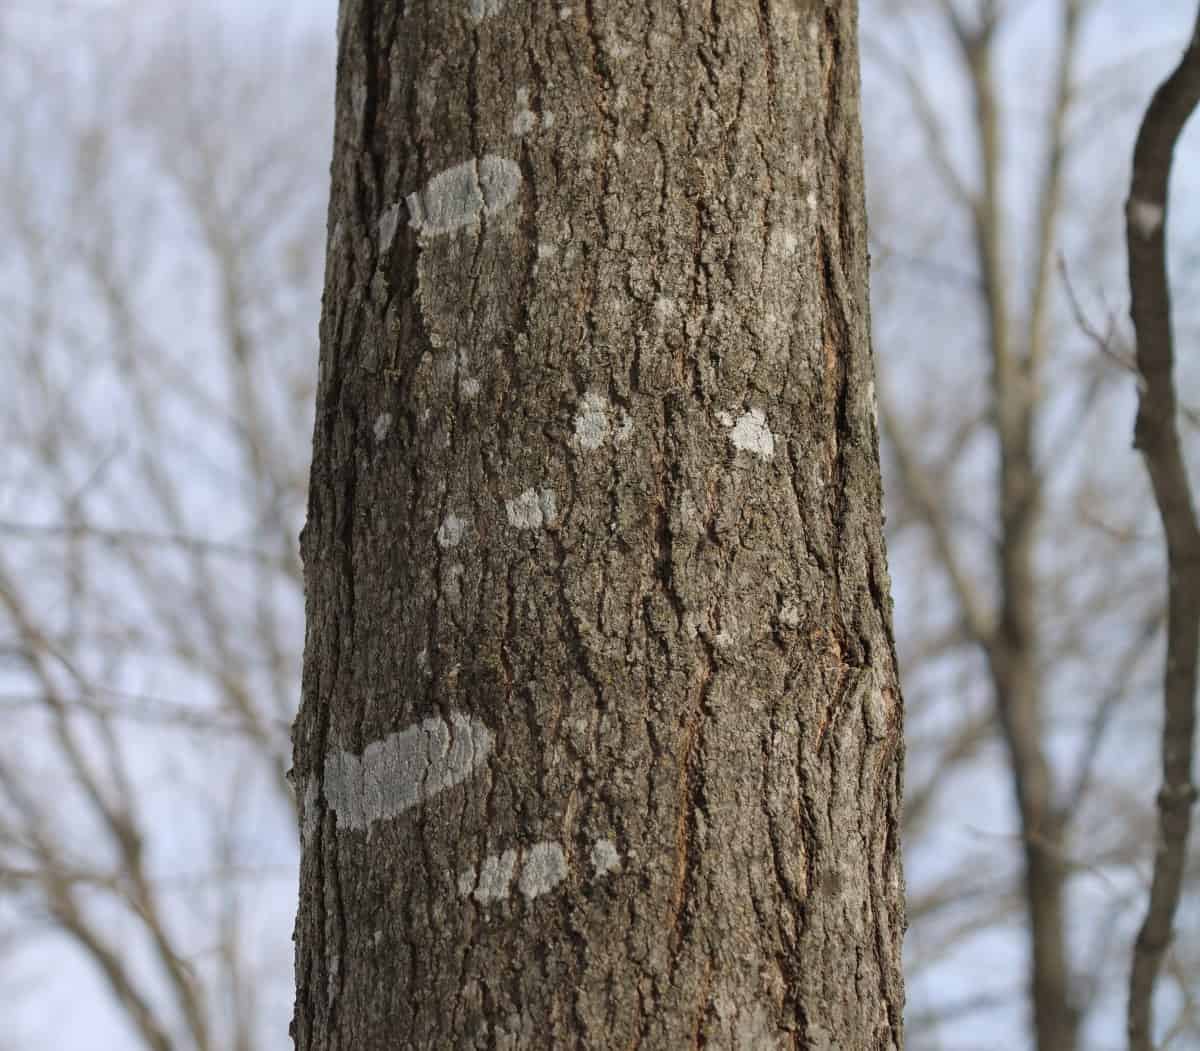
column 600, row 742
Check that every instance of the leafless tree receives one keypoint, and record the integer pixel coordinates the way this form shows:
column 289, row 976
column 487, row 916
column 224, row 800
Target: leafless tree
column 1022, row 535
column 162, row 184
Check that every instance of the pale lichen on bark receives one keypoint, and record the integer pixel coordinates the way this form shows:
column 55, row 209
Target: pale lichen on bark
column 404, row 769
column 464, row 194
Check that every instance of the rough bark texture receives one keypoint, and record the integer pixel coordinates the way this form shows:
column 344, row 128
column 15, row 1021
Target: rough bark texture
column 600, row 742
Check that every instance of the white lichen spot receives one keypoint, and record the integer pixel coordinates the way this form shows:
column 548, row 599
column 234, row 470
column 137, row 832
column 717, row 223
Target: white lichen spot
column 619, row 149
column 546, row 250
column 460, row 195
column 564, row 13
column 814, row 31
column 544, row 868
column 664, row 307
column 724, row 418
column 812, row 200
column 404, row 769
column 1146, row 217
column 383, row 424
column 525, row 120
column 478, row 10
column 596, row 421
column 790, row 242
column 789, row 615
column 495, row 877
column 450, row 532
column 533, row 509
column 605, row 858
column 469, row 387
column 377, row 937
column 751, row 434
column 547, row 120
column 592, row 426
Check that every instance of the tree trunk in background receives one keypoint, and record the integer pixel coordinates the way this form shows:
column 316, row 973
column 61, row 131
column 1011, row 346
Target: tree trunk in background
column 600, row 741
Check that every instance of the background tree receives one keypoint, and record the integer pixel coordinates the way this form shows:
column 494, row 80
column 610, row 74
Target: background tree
column 162, row 193
column 1030, row 642
column 601, row 734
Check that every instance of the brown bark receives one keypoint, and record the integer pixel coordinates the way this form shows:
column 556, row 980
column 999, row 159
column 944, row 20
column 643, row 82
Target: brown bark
column 1156, row 434
column 600, row 740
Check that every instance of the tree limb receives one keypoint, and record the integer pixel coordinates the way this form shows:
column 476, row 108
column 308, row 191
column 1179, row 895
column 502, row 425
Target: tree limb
column 1156, row 435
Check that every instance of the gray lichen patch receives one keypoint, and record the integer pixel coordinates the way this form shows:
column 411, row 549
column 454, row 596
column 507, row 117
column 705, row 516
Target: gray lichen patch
column 543, row 867
column 591, row 422
column 404, row 769
column 450, row 532
column 605, row 858
column 494, row 880
column 525, row 120
column 459, row 196
column 478, row 10
column 751, row 434
column 596, row 422
column 533, row 509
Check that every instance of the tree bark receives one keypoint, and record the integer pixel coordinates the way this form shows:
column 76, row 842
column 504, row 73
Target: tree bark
column 600, row 741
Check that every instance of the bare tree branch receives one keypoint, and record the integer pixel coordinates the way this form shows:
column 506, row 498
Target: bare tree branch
column 1156, row 435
